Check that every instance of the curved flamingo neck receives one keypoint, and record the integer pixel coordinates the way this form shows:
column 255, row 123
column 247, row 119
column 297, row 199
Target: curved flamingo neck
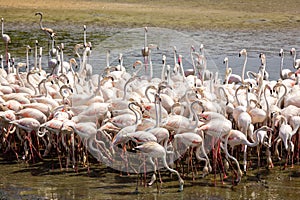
column 236, row 96
column 282, row 97
column 126, row 85
column 137, row 118
column 267, row 103
column 41, row 19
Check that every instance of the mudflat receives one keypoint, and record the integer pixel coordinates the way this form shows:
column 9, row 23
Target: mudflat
column 179, row 14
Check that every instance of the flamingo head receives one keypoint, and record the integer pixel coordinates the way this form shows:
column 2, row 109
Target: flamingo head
column 243, row 52
column 39, row 13
column 225, row 60
column 293, row 51
column 281, row 53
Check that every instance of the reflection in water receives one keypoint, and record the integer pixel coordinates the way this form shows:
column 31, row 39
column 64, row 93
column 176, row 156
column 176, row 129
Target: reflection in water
column 39, row 181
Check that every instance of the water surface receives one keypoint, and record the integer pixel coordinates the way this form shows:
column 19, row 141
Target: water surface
column 41, row 181
column 129, row 42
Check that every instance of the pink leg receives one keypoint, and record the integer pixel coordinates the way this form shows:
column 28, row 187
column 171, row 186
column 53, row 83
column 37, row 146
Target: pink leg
column 221, row 162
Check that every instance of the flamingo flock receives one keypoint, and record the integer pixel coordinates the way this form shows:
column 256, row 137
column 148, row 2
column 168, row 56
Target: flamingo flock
column 136, row 123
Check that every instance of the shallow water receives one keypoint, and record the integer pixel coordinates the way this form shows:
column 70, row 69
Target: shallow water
column 129, row 42
column 39, row 181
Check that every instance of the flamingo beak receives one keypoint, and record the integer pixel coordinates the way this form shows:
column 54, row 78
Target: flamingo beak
column 203, row 117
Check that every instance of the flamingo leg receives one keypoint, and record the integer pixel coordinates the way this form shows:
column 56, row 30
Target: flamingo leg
column 297, row 147
column 245, row 158
column 214, row 159
column 219, row 156
column 58, row 152
column 28, row 138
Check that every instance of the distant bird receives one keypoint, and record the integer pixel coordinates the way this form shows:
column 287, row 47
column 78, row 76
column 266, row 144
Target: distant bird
column 229, row 76
column 296, row 63
column 243, row 52
column 6, row 40
column 50, row 33
column 284, row 73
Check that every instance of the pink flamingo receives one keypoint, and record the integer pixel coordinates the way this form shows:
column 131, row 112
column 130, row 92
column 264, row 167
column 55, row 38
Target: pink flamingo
column 194, row 140
column 48, row 31
column 285, row 135
column 6, row 40
column 217, row 126
column 152, row 149
column 30, row 126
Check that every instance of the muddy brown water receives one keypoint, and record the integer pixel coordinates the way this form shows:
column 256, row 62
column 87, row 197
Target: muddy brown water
column 42, row 181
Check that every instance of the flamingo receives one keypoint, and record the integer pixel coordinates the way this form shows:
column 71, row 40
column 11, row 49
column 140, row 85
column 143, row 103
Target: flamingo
column 193, row 71
column 244, row 122
column 202, row 64
column 161, row 133
column 243, row 52
column 286, row 132
column 3, row 73
column 296, row 63
column 233, row 138
column 260, row 135
column 32, row 113
column 284, row 73
column 48, row 31
column 194, row 140
column 262, row 74
column 84, row 36
column 179, row 124
column 122, row 136
column 145, row 49
column 6, row 40
column 229, row 77
column 20, row 97
column 13, row 105
column 30, row 126
column 215, row 125
column 87, row 131
column 154, row 150
column 52, row 126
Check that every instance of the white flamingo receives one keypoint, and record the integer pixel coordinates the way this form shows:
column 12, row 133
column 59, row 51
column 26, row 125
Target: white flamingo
column 229, row 76
column 6, row 40
column 296, row 63
column 284, row 73
column 243, row 52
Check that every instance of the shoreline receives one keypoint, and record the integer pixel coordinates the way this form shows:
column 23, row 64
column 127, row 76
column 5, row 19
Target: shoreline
column 180, row 15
